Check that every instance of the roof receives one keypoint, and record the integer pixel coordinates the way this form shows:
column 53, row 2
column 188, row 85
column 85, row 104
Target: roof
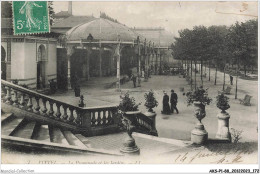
column 6, row 23
column 102, row 29
column 72, row 21
column 157, row 35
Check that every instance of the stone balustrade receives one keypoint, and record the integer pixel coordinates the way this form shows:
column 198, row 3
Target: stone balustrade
column 147, row 120
column 87, row 118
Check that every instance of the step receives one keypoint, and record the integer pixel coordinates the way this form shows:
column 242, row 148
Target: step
column 84, row 140
column 72, row 139
column 41, row 133
column 26, row 130
column 6, row 117
column 11, row 125
column 57, row 136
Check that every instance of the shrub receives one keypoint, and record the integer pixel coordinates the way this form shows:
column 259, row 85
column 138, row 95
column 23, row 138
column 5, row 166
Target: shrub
column 236, row 134
column 127, row 103
column 222, row 102
column 150, row 100
column 198, row 95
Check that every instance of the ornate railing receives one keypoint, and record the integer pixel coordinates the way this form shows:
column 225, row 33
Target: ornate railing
column 145, row 123
column 47, row 107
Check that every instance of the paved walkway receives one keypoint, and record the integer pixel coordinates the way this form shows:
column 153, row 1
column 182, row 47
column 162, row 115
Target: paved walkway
column 179, row 126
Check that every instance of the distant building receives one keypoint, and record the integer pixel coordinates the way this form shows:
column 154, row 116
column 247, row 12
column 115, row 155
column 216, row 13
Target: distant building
column 162, row 40
column 29, row 59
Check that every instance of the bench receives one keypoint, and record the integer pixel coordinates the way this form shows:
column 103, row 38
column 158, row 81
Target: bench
column 226, row 91
column 246, row 100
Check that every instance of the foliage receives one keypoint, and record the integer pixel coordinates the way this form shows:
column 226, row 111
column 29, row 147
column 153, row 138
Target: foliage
column 198, row 95
column 51, row 12
column 223, row 102
column 236, row 44
column 127, row 103
column 236, row 135
column 105, row 16
column 150, row 100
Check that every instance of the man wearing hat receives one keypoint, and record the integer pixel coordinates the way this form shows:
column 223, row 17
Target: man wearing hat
column 174, row 100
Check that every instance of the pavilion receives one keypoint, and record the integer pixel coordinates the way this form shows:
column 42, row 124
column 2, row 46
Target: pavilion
column 104, row 48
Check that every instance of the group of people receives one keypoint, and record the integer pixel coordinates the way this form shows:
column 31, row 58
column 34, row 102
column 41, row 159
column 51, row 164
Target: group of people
column 167, row 109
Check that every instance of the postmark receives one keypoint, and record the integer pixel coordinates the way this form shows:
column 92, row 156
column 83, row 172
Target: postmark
column 30, row 17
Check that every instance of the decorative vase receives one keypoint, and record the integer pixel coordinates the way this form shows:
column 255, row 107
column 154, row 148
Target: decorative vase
column 223, row 126
column 199, row 135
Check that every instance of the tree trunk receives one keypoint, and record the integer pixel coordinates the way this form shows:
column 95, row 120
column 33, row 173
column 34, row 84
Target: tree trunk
column 195, row 79
column 224, row 82
column 209, row 70
column 201, row 73
column 238, row 67
column 216, row 76
column 205, row 68
column 244, row 70
column 191, row 74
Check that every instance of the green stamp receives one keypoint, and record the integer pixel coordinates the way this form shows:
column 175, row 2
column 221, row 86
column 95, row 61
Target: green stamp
column 30, row 17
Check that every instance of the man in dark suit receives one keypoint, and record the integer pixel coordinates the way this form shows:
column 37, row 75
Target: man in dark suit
column 174, row 101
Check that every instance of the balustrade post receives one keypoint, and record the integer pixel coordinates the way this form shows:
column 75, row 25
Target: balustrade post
column 37, row 107
column 78, row 117
column 51, row 112
column 109, row 118
column 152, row 116
column 44, row 109
column 99, row 118
column 65, row 115
column 3, row 93
column 15, row 99
column 71, row 118
column 58, row 114
column 22, row 101
column 86, row 119
column 8, row 95
column 104, row 119
column 115, row 116
column 29, row 104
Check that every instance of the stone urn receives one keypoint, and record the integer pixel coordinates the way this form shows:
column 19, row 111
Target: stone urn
column 199, row 135
column 129, row 145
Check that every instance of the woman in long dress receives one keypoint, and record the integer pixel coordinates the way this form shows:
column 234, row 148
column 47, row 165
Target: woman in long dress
column 166, row 105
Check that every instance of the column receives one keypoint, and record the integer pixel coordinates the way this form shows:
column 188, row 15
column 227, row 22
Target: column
column 88, row 58
column 118, row 67
column 100, row 60
column 69, row 72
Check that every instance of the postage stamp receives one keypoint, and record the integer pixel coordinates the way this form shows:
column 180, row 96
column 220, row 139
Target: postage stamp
column 30, row 17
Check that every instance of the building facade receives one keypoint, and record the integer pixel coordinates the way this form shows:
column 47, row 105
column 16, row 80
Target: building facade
column 30, row 60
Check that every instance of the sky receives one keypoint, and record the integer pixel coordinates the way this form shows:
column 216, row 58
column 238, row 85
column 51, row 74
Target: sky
column 172, row 16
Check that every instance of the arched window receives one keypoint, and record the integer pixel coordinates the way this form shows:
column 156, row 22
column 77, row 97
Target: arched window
column 3, row 54
column 41, row 53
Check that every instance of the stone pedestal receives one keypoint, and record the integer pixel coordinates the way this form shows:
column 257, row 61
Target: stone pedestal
column 152, row 116
column 223, row 126
column 199, row 135
column 129, row 146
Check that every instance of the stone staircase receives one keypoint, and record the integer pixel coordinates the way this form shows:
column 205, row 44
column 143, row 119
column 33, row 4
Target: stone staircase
column 31, row 119
column 24, row 132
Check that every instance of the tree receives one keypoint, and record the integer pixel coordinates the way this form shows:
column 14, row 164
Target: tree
column 217, row 50
column 51, row 12
column 105, row 16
